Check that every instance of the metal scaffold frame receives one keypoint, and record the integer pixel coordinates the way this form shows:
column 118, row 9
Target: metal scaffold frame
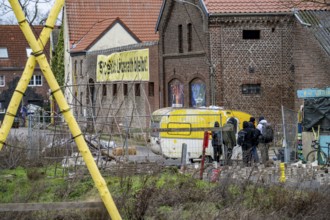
column 39, row 56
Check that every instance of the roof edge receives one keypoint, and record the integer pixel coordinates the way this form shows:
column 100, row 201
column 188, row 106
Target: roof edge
column 160, row 15
column 109, row 27
column 250, row 14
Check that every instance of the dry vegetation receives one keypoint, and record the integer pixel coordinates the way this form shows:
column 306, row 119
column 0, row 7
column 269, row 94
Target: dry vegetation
column 163, row 194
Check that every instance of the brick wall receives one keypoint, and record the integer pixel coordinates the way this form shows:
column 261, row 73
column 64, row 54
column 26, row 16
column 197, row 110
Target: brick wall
column 266, row 61
column 185, row 66
column 311, row 62
column 12, row 38
column 287, row 57
column 270, row 56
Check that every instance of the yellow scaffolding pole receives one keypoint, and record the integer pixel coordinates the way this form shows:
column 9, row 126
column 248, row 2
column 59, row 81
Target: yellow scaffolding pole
column 27, row 74
column 65, row 110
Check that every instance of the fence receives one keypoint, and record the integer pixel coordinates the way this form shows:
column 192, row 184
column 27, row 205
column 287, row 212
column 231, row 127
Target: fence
column 57, row 139
column 285, row 135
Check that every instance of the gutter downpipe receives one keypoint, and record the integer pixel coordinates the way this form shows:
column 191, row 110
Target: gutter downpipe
column 295, row 12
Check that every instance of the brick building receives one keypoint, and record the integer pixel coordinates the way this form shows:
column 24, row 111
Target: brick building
column 103, row 28
column 14, row 53
column 249, row 56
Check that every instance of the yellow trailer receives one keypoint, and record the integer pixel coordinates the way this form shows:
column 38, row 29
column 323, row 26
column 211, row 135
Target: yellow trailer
column 173, row 127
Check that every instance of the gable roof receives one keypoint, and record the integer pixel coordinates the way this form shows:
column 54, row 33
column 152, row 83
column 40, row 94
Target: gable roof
column 96, row 32
column 259, row 6
column 12, row 38
column 88, row 19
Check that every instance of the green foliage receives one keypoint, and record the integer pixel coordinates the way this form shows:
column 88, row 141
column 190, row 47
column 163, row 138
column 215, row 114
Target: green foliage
column 57, row 62
column 80, row 189
column 167, row 195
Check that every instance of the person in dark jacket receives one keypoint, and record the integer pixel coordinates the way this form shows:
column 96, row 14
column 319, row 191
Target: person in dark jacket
column 216, row 143
column 256, row 132
column 246, row 143
column 229, row 138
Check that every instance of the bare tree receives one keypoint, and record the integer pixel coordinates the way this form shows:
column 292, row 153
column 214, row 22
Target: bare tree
column 36, row 11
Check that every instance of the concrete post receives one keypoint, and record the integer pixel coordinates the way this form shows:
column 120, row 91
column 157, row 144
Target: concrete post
column 184, row 157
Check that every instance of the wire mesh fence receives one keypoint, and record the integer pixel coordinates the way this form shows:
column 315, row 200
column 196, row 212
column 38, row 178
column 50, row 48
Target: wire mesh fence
column 285, row 135
column 117, row 120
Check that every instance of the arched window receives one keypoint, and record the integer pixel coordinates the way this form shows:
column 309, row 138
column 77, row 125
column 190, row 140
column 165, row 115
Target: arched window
column 175, row 93
column 197, row 93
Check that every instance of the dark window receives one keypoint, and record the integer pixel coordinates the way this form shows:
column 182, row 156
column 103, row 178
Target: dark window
column 114, row 89
column 104, row 90
column 2, row 106
column 125, row 89
column 151, row 89
column 137, row 89
column 81, row 68
column 87, row 95
column 2, row 81
column 251, row 34
column 180, row 38
column 75, row 68
column 189, row 36
column 251, row 89
column 81, row 104
column 35, row 80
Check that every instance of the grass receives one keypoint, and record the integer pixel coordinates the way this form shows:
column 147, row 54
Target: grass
column 167, row 195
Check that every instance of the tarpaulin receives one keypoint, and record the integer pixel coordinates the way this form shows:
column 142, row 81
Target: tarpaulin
column 317, row 112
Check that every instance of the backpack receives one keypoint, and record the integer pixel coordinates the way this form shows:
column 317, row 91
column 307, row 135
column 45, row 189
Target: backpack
column 241, row 137
column 267, row 133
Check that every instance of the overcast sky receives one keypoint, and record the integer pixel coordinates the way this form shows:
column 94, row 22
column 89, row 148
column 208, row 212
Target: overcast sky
column 7, row 16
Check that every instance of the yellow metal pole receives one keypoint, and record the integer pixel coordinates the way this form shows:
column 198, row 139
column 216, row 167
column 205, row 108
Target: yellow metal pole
column 27, row 74
column 282, row 170
column 65, row 110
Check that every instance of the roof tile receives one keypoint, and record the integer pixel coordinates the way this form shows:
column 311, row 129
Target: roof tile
column 259, row 6
column 88, row 19
column 12, row 38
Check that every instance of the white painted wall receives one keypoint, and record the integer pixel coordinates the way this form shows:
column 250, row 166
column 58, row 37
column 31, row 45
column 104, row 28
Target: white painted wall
column 117, row 36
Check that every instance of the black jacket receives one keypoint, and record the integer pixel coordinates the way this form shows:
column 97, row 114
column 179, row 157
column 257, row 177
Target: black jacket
column 249, row 139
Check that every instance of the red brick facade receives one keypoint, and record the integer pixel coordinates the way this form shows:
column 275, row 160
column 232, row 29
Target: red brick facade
column 264, row 53
column 12, row 67
column 186, row 66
